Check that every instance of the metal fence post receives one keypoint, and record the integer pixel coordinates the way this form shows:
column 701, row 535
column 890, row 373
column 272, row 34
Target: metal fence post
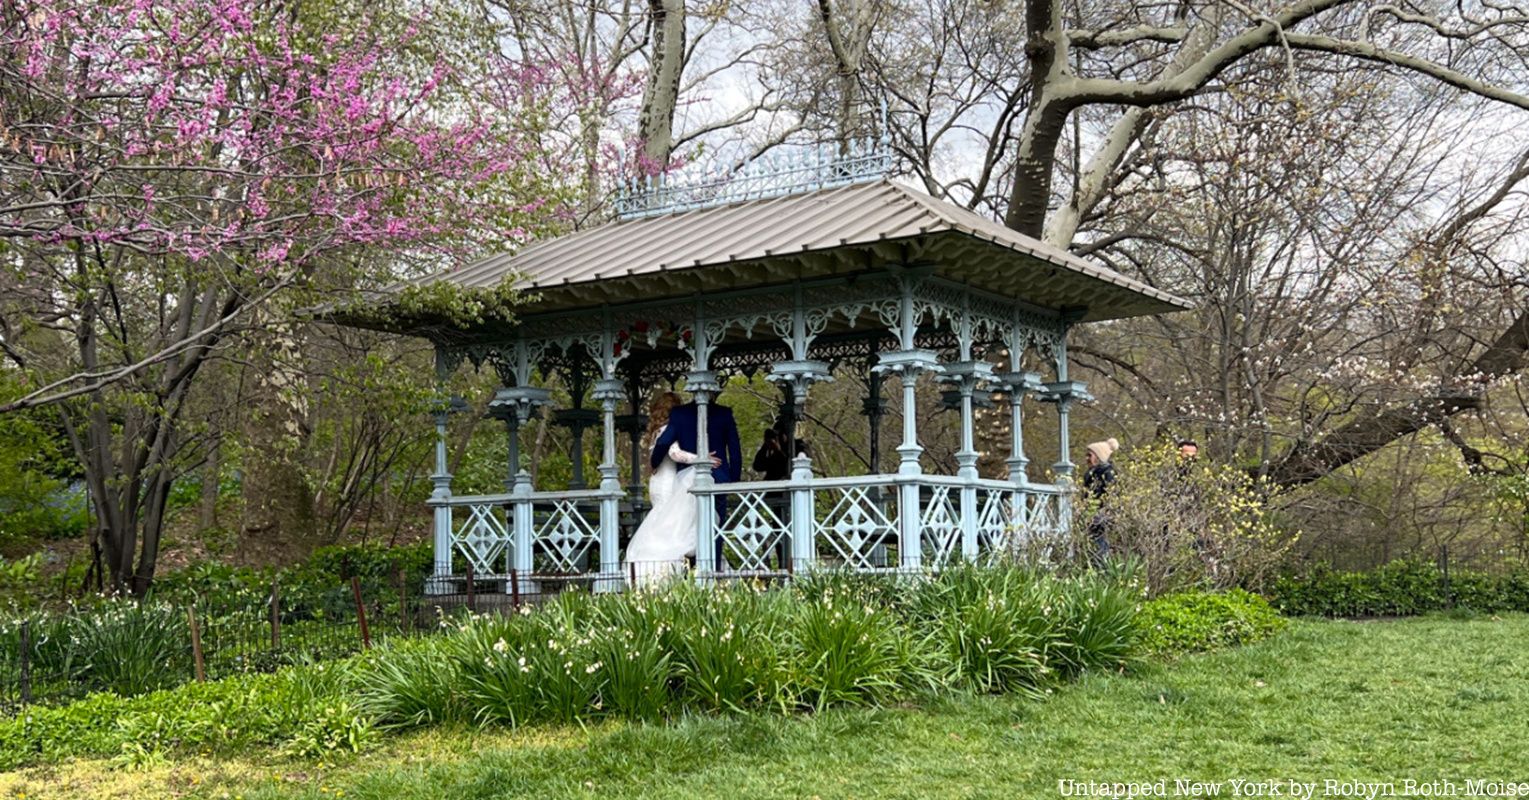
column 26, row 661
column 403, row 601
column 196, row 644
column 275, row 616
column 1449, row 594
column 514, row 589
column 355, row 589
column 472, row 602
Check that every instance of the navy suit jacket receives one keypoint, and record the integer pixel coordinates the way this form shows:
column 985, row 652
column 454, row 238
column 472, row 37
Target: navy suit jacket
column 721, row 434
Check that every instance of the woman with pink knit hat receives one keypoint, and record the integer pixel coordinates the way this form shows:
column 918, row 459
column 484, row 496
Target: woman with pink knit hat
column 1096, row 481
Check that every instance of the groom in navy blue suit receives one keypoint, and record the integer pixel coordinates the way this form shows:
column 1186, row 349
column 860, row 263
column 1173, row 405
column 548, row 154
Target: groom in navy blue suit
column 721, row 438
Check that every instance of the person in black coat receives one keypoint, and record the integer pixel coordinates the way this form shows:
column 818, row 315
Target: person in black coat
column 1097, row 480
column 773, row 459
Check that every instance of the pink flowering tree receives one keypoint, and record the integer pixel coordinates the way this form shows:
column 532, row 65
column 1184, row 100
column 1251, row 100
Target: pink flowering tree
column 171, row 169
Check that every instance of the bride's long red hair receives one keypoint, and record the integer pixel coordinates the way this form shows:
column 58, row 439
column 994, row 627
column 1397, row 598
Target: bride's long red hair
column 658, row 412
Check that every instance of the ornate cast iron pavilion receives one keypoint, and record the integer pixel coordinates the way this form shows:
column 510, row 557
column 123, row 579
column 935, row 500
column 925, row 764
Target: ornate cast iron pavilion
column 791, row 268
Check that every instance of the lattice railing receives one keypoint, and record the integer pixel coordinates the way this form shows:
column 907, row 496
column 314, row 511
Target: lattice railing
column 482, row 536
column 563, row 532
column 854, row 523
column 940, row 526
column 565, row 535
column 1011, row 519
column 755, row 531
column 857, row 523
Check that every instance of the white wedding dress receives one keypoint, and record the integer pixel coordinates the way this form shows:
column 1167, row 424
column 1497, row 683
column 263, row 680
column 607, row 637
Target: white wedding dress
column 667, row 534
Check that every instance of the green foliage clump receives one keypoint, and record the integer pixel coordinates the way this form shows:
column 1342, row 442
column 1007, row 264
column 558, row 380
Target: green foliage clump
column 325, row 569
column 437, row 302
column 1189, row 622
column 118, row 646
column 302, row 710
column 130, row 648
column 843, row 650
column 107, row 644
column 1400, row 588
column 1016, row 630
column 831, row 640
column 726, row 644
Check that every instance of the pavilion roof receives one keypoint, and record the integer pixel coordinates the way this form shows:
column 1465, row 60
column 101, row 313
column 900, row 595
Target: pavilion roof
column 840, row 230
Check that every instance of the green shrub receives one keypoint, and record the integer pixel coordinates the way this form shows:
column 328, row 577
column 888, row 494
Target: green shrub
column 335, row 728
column 638, row 668
column 1400, row 588
column 132, row 648
column 492, row 671
column 1196, row 621
column 37, row 501
column 1197, row 524
column 1095, row 623
column 845, row 651
column 992, row 627
column 727, row 645
column 120, row 646
column 559, row 650
column 330, row 565
column 414, row 683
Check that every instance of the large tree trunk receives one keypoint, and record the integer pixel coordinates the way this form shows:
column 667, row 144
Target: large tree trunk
column 655, row 124
column 847, row 26
column 278, row 502
column 212, row 474
column 1046, row 49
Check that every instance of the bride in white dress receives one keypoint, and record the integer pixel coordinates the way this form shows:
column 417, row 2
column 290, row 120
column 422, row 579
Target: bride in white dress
column 667, row 534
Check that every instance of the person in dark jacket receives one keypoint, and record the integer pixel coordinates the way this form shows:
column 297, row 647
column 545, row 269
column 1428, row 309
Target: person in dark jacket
column 1097, row 480
column 773, row 459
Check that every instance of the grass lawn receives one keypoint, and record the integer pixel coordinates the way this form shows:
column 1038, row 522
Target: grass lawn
column 1424, row 699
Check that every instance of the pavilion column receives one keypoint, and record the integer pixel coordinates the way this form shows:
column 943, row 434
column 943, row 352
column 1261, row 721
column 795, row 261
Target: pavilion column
column 908, row 363
column 799, row 374
column 1017, row 384
column 506, row 408
column 440, row 480
column 634, row 429
column 968, row 374
column 1064, row 465
column 609, row 390
column 1064, row 393
column 873, row 408
column 702, row 383
column 515, row 404
column 576, row 418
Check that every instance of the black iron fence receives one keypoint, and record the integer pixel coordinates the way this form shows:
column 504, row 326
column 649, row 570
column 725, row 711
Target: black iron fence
column 132, row 647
